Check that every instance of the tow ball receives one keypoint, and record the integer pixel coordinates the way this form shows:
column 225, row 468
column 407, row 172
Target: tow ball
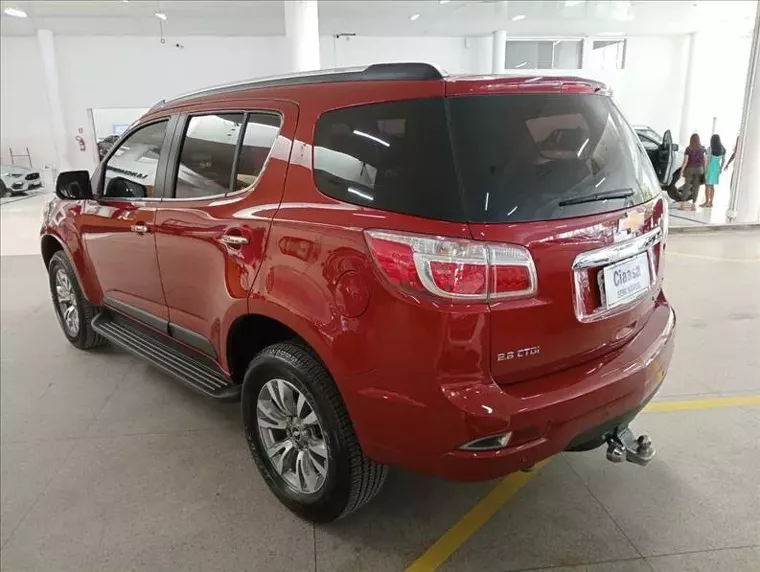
column 623, row 445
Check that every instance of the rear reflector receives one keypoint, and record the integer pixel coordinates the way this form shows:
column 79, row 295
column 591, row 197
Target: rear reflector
column 457, row 269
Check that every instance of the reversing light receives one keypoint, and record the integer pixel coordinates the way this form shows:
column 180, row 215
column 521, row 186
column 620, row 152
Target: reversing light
column 491, row 443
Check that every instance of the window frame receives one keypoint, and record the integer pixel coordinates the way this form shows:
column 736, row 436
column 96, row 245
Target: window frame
column 612, row 40
column 579, row 39
column 172, row 168
column 163, row 159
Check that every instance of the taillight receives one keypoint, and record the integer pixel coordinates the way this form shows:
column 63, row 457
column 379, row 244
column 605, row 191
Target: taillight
column 458, row 269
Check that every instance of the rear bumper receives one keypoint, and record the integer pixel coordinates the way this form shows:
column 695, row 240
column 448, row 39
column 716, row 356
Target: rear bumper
column 545, row 416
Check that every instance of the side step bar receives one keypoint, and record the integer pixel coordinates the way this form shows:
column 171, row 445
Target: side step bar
column 165, row 356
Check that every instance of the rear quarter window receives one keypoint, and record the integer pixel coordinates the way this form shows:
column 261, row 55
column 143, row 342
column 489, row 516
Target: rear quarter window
column 393, row 156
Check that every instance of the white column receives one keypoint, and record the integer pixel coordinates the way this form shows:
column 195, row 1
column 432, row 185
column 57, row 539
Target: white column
column 690, row 84
column 745, row 193
column 480, row 50
column 302, row 32
column 498, row 61
column 60, row 140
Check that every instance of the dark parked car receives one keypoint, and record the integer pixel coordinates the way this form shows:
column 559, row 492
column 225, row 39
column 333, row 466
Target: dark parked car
column 105, row 144
column 389, row 266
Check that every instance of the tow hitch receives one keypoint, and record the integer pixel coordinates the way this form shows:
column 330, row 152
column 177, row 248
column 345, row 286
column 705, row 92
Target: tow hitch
column 623, row 445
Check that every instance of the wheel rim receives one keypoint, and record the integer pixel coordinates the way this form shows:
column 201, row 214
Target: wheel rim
column 292, row 436
column 67, row 307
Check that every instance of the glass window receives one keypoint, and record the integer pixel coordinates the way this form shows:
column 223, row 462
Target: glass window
column 546, row 54
column 208, row 154
column 130, row 173
column 393, row 156
column 545, row 156
column 261, row 131
column 608, row 54
column 648, row 144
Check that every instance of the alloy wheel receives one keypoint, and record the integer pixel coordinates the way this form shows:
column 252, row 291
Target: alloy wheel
column 292, row 436
column 67, row 307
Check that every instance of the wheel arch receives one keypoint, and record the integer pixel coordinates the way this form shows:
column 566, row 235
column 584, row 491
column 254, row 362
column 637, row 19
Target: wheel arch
column 50, row 243
column 252, row 332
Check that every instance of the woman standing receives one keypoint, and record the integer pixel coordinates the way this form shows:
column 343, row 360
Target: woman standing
column 693, row 170
column 714, row 166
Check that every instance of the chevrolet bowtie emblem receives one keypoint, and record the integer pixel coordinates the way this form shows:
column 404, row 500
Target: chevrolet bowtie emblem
column 631, row 222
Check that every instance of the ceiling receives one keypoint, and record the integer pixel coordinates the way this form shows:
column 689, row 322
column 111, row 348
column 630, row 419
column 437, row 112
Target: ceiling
column 383, row 17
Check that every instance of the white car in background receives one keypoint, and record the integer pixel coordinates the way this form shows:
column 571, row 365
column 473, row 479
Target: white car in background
column 653, row 144
column 15, row 180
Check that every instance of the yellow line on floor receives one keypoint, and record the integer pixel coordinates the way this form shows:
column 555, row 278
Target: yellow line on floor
column 711, row 258
column 711, row 403
column 471, row 522
column 509, row 486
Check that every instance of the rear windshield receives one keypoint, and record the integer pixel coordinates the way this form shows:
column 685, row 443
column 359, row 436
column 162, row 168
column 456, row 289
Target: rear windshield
column 522, row 157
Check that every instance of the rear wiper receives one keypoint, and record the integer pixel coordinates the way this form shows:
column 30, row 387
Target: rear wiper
column 616, row 194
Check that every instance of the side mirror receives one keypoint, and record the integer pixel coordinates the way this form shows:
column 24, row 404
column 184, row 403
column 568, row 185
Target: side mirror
column 73, row 185
column 675, row 146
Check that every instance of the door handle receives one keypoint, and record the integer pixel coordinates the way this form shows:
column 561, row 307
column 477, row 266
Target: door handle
column 233, row 240
column 139, row 228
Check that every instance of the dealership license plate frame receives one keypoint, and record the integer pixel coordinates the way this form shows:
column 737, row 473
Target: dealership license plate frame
column 605, row 274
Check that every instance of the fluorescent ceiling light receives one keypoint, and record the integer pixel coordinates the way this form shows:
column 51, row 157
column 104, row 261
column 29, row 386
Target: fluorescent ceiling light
column 573, row 2
column 15, row 12
column 444, row 1
column 518, row 17
column 160, row 16
column 413, row 17
column 521, row 65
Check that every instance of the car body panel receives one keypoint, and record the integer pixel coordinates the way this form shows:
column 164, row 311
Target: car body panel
column 189, row 237
column 404, row 365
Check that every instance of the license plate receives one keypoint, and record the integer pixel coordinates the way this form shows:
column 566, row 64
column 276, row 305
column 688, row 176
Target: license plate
column 624, row 280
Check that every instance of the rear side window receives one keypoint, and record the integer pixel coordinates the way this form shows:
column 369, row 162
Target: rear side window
column 261, row 130
column 392, row 156
column 530, row 157
column 208, row 155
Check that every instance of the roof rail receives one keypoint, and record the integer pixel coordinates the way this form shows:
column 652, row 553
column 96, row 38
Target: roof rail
column 373, row 72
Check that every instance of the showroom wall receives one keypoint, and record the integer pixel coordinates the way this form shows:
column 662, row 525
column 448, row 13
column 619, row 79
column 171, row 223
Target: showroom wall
column 24, row 109
column 137, row 71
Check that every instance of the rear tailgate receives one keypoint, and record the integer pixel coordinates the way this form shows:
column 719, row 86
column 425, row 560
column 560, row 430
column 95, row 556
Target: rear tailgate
column 566, row 322
column 564, row 175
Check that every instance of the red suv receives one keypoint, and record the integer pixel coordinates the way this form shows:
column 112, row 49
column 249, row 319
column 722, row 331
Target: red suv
column 388, row 266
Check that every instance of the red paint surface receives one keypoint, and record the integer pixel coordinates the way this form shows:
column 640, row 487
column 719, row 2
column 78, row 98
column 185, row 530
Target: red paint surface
column 419, row 375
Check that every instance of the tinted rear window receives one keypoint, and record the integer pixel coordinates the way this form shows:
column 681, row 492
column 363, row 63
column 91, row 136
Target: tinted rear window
column 520, row 156
column 391, row 156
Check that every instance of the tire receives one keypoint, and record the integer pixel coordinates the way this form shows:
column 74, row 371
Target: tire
column 351, row 479
column 84, row 337
column 4, row 191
